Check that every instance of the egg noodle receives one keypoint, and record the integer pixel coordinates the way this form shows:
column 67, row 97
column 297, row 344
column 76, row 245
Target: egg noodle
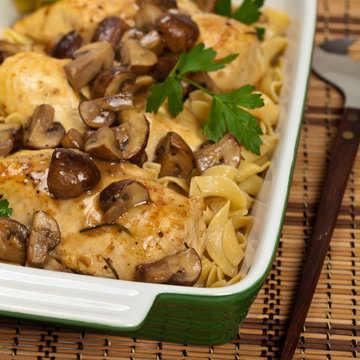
column 229, row 192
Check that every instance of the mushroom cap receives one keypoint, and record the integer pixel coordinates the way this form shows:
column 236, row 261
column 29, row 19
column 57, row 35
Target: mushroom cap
column 73, row 140
column 226, row 151
column 174, row 155
column 111, row 29
column 101, row 112
column 44, row 132
column 44, row 236
column 112, row 81
column 13, row 237
column 153, row 41
column 67, row 45
column 164, row 66
column 146, row 16
column 183, row 268
column 71, row 174
column 117, row 198
column 206, row 5
column 132, row 137
column 138, row 58
column 179, row 31
column 103, row 145
column 11, row 138
column 89, row 61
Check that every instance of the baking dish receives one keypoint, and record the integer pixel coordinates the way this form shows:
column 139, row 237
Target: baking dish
column 176, row 313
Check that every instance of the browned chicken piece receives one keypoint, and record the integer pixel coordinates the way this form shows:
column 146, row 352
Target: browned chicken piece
column 226, row 37
column 55, row 20
column 29, row 79
column 166, row 225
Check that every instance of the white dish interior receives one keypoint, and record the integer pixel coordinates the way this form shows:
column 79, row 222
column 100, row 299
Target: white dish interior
column 115, row 303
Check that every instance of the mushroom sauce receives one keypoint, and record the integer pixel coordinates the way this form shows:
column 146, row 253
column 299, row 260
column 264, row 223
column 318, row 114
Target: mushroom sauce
column 99, row 186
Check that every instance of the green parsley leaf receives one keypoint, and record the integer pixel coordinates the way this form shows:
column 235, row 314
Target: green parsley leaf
column 171, row 89
column 243, row 97
column 214, row 126
column 260, row 32
column 175, row 97
column 248, row 12
column 223, row 7
column 226, row 113
column 5, row 211
column 200, row 59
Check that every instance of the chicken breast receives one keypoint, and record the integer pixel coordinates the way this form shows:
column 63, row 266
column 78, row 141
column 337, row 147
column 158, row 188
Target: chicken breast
column 167, row 225
column 55, row 20
column 228, row 36
column 29, row 79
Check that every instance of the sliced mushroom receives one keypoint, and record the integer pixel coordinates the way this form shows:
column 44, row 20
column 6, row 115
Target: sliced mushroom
column 143, row 83
column 71, row 174
column 112, row 81
column 183, row 268
column 153, row 41
column 7, row 49
column 13, row 237
column 206, row 5
column 111, row 30
column 226, row 151
column 67, row 45
column 102, row 112
column 174, row 155
column 44, row 132
column 132, row 137
column 88, row 134
column 103, row 145
column 164, row 66
column 117, row 198
column 89, row 61
column 73, row 140
column 179, row 31
column 139, row 59
column 11, row 138
column 146, row 16
column 44, row 236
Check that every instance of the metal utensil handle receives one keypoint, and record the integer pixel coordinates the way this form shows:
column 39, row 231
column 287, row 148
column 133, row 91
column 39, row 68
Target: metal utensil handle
column 341, row 161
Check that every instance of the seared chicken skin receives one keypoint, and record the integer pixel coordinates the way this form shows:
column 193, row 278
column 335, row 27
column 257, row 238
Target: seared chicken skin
column 29, row 79
column 226, row 37
column 53, row 21
column 165, row 226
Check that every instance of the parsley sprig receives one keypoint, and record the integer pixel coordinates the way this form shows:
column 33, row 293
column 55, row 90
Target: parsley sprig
column 248, row 12
column 5, row 211
column 226, row 112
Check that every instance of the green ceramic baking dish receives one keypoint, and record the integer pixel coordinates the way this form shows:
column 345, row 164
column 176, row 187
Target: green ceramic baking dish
column 176, row 313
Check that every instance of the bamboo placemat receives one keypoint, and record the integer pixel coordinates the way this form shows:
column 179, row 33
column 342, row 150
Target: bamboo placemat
column 332, row 328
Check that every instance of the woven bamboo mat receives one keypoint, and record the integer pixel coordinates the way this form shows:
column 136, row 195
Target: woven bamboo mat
column 332, row 328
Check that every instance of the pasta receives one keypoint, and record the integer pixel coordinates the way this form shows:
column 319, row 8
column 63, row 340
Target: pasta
column 218, row 198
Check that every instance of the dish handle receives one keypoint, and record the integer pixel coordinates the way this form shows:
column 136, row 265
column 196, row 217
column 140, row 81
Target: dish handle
column 58, row 297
